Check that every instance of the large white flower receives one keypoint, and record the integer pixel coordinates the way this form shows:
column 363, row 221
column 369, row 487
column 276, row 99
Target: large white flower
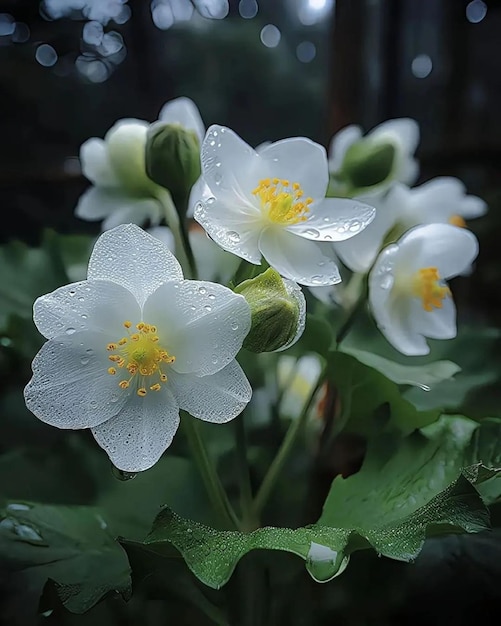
column 442, row 200
column 122, row 192
column 273, row 204
column 401, row 133
column 133, row 344
column 407, row 293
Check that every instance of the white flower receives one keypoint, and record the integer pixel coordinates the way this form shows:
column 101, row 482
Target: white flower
column 441, row 200
column 213, row 263
column 296, row 379
column 401, row 133
column 407, row 293
column 184, row 112
column 133, row 344
column 273, row 204
column 122, row 191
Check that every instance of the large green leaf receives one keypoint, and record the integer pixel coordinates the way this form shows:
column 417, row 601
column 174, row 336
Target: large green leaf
column 485, row 449
column 70, row 545
column 363, row 391
column 425, row 376
column 406, row 490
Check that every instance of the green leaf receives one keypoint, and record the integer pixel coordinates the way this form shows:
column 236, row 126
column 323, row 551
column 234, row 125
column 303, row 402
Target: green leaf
column 485, row 449
column 424, row 376
column 364, row 392
column 26, row 272
column 70, row 545
column 406, row 490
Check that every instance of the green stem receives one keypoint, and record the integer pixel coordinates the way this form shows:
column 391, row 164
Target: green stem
column 249, row 521
column 355, row 304
column 213, row 486
column 184, row 252
column 286, row 448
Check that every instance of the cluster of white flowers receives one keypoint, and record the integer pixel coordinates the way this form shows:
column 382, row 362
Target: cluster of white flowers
column 417, row 240
column 135, row 342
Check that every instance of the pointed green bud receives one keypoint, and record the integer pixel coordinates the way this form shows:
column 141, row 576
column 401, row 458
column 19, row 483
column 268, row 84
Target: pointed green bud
column 278, row 310
column 173, row 159
column 368, row 163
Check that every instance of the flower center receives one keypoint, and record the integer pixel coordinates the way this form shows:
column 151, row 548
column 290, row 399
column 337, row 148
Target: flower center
column 428, row 286
column 282, row 201
column 457, row 220
column 141, row 355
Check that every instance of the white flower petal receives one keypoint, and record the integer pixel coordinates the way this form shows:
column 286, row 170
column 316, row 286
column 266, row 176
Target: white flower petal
column 234, row 228
column 335, row 219
column 165, row 235
column 340, row 144
column 436, row 324
column 298, row 160
column 448, row 248
column 230, row 167
column 360, row 252
column 96, row 164
column 134, row 211
column 128, row 256
column 473, row 206
column 217, row 398
column 213, row 262
column 87, row 305
column 137, row 437
column 96, row 204
column 391, row 312
column 71, row 387
column 299, row 259
column 403, row 131
column 184, row 112
column 202, row 324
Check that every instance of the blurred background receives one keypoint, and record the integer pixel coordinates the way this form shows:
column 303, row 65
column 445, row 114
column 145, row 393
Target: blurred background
column 269, row 69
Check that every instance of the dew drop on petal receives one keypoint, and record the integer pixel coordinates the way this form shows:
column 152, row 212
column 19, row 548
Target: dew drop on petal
column 70, row 331
column 233, row 236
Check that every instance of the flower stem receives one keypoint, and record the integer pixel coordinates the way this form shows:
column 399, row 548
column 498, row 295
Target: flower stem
column 213, row 486
column 249, row 520
column 182, row 242
column 286, row 448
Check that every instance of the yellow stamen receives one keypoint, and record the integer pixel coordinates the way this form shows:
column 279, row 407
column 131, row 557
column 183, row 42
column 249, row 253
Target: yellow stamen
column 282, row 202
column 141, row 354
column 457, row 220
column 428, row 286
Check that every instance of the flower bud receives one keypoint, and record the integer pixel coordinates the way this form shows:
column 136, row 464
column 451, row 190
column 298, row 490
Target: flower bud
column 368, row 163
column 278, row 311
column 173, row 159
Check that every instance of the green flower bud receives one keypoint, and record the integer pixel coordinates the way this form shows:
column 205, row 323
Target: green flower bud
column 368, row 163
column 278, row 311
column 173, row 159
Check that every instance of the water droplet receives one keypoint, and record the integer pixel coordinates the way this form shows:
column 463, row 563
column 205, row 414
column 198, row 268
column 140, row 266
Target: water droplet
column 214, row 133
column 84, row 316
column 18, row 507
column 317, row 279
column 327, row 220
column 84, row 360
column 210, row 200
column 202, row 290
column 89, row 351
column 212, row 142
column 93, row 404
column 193, row 307
column 234, row 326
column 211, row 296
column 312, row 232
column 72, row 292
column 207, row 308
column 233, row 236
column 81, row 299
column 386, row 282
column 121, row 474
column 70, row 331
column 214, row 359
column 217, row 178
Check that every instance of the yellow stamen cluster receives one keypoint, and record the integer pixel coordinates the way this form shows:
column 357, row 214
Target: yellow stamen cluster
column 457, row 220
column 428, row 286
column 282, row 201
column 141, row 355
